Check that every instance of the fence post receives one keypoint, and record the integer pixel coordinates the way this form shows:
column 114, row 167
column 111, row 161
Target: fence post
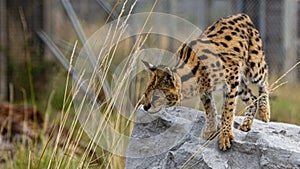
column 3, row 49
column 290, row 37
column 203, row 13
column 262, row 19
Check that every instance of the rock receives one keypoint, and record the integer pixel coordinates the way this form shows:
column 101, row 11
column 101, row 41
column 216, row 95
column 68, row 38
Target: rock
column 172, row 139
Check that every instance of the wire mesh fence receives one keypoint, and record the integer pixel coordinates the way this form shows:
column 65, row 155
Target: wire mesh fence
column 278, row 22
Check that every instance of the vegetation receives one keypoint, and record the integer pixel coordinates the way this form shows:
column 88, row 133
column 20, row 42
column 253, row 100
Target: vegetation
column 285, row 105
column 56, row 104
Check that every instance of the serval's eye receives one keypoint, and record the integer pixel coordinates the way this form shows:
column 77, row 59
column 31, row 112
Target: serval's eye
column 167, row 84
column 154, row 98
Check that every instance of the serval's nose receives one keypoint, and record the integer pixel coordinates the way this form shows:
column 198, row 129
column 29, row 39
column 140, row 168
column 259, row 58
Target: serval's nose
column 147, row 106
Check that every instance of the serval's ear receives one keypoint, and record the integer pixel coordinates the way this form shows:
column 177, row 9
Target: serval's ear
column 149, row 66
column 168, row 70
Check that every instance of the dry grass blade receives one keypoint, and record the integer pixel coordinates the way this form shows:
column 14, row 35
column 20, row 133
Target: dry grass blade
column 63, row 116
column 282, row 76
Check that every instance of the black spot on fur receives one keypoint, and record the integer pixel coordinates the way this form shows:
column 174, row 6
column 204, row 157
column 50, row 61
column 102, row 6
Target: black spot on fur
column 241, row 44
column 188, row 54
column 216, row 43
column 254, row 52
column 246, row 99
column 181, row 51
column 194, row 70
column 207, row 101
column 236, row 49
column 249, row 24
column 250, row 43
column 210, row 52
column 212, row 28
column 240, row 92
column 220, row 32
column 258, row 47
column 255, row 75
column 212, row 35
column 187, row 77
column 228, row 38
column 192, row 43
column 224, row 44
column 222, row 58
column 242, row 25
column 231, row 22
column 231, row 96
column 202, row 57
column 223, row 28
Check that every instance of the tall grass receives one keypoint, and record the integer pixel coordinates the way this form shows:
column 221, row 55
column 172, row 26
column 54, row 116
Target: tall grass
column 65, row 156
column 74, row 149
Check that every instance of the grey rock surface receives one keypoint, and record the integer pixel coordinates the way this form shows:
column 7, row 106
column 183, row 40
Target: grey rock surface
column 172, row 139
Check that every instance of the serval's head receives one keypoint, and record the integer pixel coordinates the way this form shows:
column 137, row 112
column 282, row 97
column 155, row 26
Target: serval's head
column 163, row 89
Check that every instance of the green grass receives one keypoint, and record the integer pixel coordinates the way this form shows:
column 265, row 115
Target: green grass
column 28, row 158
column 285, row 104
column 285, row 107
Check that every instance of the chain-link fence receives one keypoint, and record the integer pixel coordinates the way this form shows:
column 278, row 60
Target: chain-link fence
column 278, row 22
column 37, row 40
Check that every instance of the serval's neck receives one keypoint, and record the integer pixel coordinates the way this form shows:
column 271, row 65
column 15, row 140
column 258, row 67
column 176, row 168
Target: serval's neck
column 188, row 81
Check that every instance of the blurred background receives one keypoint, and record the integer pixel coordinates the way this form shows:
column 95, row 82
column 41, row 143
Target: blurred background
column 37, row 39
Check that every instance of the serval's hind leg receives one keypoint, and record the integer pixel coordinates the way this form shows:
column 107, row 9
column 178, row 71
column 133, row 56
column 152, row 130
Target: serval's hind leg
column 246, row 95
column 263, row 102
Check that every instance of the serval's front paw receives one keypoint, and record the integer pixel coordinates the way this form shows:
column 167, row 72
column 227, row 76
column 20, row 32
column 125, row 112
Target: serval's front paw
column 264, row 113
column 209, row 134
column 246, row 125
column 225, row 140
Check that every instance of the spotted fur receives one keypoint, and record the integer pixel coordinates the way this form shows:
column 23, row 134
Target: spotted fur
column 228, row 55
